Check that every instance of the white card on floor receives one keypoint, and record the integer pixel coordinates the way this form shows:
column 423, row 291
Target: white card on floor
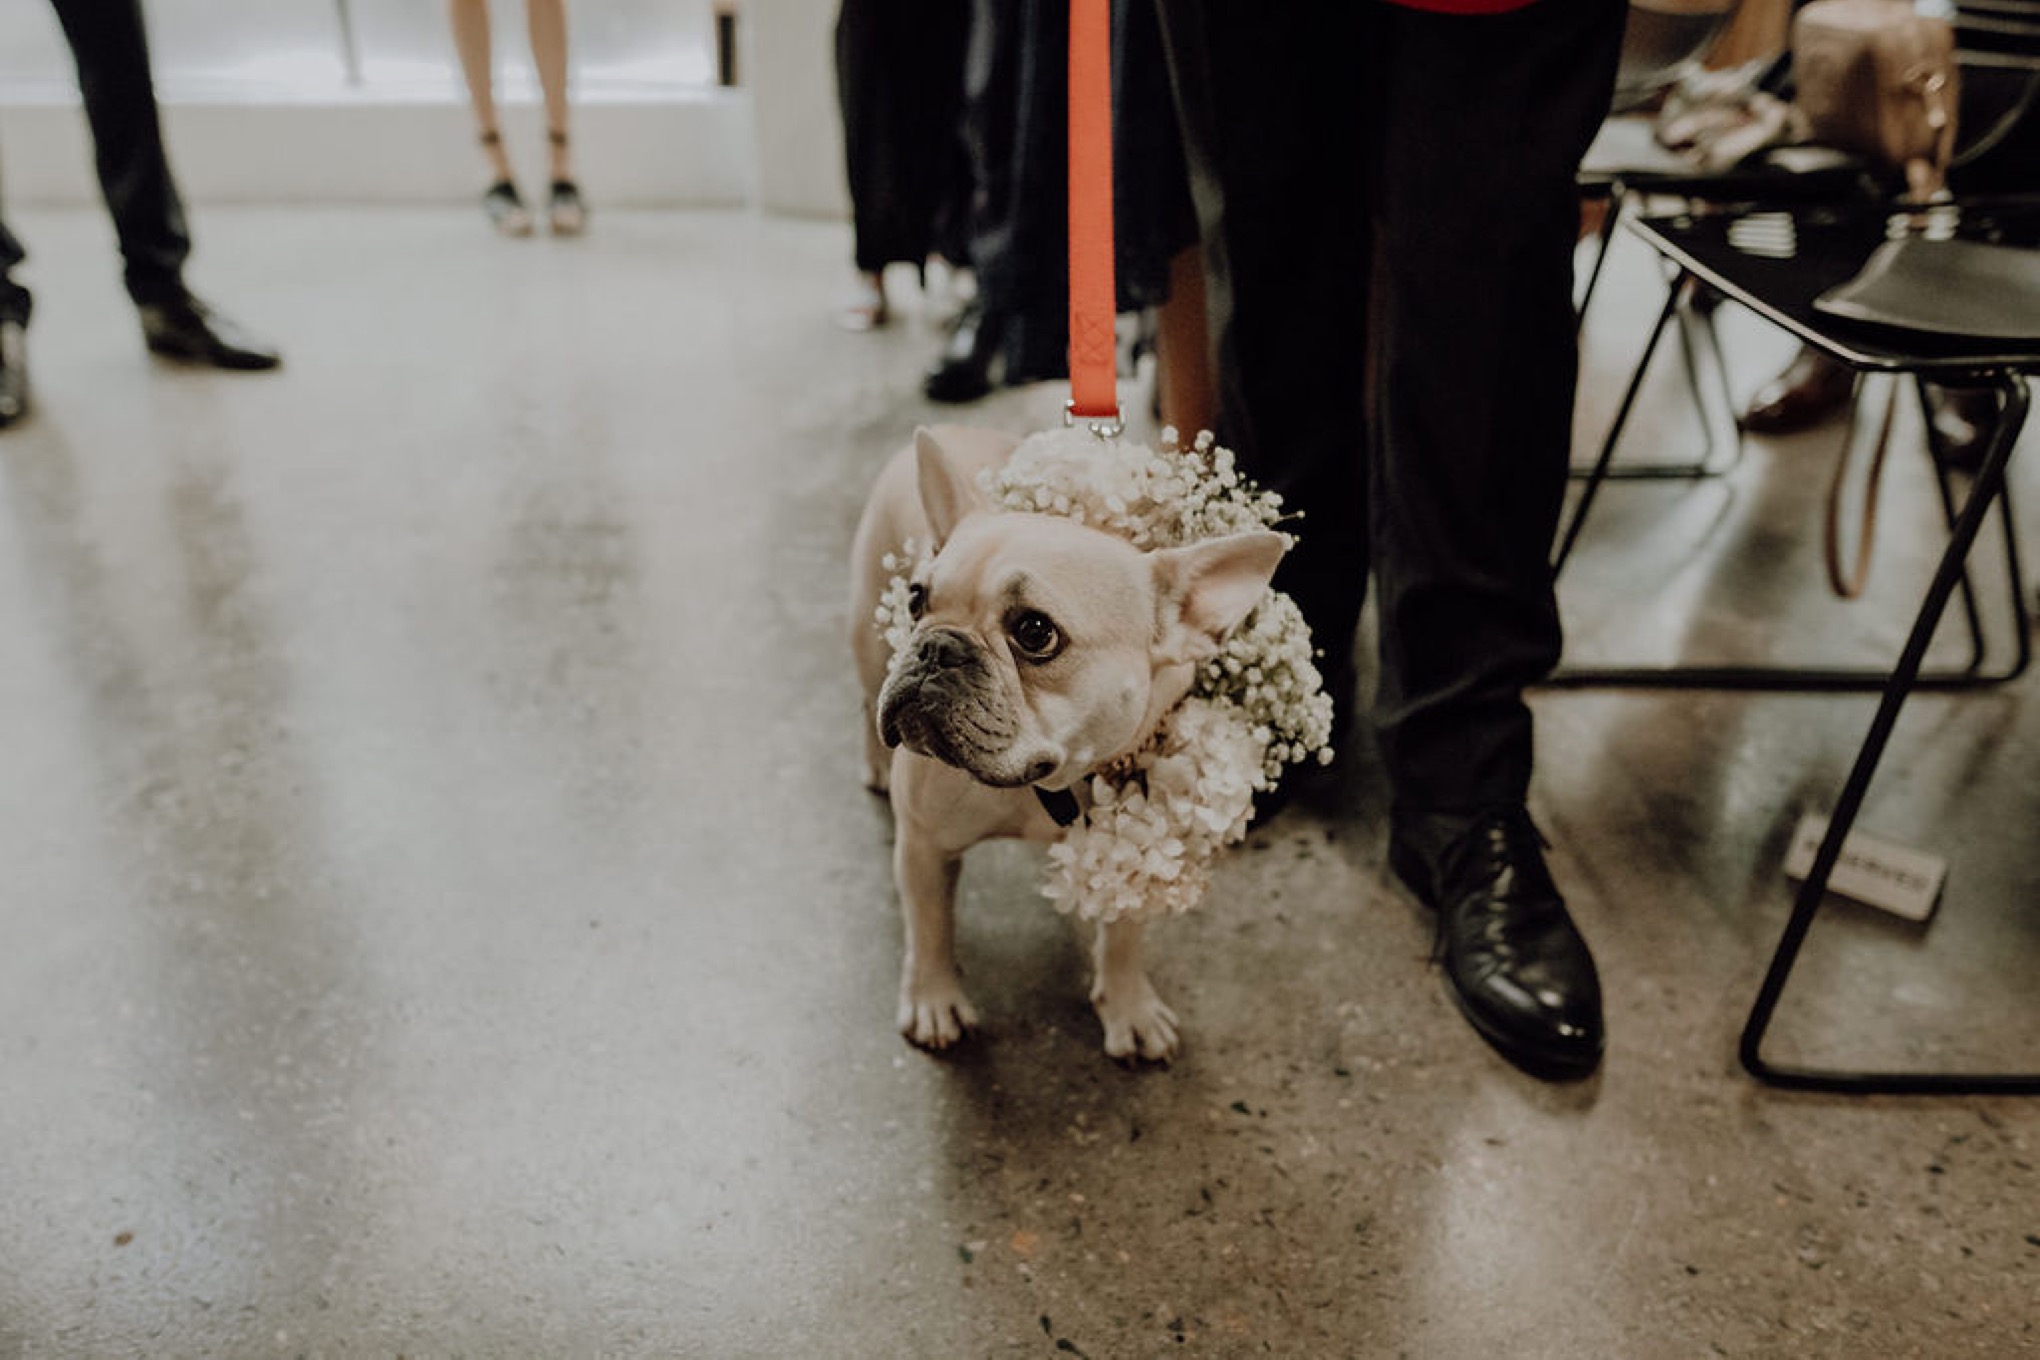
column 1893, row 878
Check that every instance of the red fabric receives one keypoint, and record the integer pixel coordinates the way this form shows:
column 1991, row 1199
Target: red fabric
column 1464, row 6
column 1093, row 295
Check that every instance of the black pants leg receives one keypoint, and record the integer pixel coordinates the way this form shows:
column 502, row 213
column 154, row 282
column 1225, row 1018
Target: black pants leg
column 1485, row 120
column 899, row 83
column 1270, row 113
column 1389, row 211
column 109, row 42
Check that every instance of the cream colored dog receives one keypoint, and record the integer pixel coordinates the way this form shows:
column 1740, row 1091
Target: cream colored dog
column 1041, row 650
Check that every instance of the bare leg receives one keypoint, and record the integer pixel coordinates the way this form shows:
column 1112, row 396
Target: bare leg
column 866, row 307
column 548, row 21
column 471, row 41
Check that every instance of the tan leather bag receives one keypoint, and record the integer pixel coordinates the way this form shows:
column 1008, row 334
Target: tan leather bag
column 1877, row 78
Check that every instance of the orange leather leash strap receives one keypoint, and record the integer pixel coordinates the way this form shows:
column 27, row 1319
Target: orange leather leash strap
column 1093, row 293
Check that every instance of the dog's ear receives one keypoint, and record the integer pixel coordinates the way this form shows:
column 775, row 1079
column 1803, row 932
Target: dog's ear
column 1205, row 589
column 948, row 490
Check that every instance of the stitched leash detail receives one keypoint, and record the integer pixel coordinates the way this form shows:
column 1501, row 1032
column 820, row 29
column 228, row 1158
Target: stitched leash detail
column 1093, row 290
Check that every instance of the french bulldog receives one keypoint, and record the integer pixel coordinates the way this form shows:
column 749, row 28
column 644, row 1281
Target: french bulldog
column 1041, row 650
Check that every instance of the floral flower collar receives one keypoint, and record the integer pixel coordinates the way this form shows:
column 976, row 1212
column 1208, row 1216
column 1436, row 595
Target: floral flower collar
column 1156, row 818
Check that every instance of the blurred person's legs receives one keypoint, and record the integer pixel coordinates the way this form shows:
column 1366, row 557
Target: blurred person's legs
column 1323, row 142
column 899, row 90
column 109, row 42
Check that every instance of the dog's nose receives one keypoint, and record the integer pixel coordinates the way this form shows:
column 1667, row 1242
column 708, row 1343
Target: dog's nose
column 946, row 649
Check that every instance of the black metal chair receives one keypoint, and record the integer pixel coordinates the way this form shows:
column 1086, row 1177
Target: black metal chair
column 1825, row 247
column 1998, row 49
column 1663, row 41
column 1735, row 251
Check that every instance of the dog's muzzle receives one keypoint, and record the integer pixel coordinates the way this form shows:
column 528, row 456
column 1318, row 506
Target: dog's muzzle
column 943, row 700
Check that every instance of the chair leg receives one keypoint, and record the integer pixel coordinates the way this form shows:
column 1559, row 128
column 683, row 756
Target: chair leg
column 1698, row 338
column 1989, row 488
column 1616, row 194
column 1972, row 616
column 1598, row 473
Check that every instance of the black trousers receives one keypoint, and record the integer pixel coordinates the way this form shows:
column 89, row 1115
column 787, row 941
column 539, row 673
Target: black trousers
column 899, row 85
column 1388, row 209
column 109, row 42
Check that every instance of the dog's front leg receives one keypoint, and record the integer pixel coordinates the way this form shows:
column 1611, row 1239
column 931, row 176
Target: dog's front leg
column 934, row 1012
column 1137, row 1023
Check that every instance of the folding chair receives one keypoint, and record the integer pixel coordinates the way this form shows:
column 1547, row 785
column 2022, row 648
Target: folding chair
column 1829, row 247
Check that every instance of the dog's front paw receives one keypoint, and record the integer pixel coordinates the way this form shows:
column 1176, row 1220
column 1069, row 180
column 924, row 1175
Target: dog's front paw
column 937, row 1016
column 1138, row 1024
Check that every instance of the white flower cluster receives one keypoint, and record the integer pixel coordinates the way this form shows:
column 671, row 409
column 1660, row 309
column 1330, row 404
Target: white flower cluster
column 1146, row 843
column 1153, row 498
column 1267, row 673
column 893, row 617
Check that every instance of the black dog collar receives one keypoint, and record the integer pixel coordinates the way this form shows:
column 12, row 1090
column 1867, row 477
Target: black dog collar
column 1060, row 804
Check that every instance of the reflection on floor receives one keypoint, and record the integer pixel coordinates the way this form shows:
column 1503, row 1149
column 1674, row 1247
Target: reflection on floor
column 441, row 916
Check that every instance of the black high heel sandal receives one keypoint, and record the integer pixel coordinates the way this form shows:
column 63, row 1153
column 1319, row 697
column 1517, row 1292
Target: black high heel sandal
column 502, row 202
column 565, row 212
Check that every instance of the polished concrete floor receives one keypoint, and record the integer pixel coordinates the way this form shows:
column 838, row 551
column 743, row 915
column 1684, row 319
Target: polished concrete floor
column 439, row 915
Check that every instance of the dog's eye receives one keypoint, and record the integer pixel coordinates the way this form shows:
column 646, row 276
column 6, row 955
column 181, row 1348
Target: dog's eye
column 917, row 600
column 1034, row 634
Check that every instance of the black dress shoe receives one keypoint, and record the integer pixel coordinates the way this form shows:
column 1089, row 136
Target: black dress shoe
column 1811, row 389
column 1516, row 965
column 13, row 372
column 185, row 328
column 964, row 370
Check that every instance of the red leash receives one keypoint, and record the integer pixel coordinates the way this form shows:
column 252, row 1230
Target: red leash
column 1094, row 302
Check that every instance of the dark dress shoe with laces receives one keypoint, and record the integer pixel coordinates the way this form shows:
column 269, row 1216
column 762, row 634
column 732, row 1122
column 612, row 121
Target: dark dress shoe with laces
column 186, row 328
column 13, row 372
column 1811, row 389
column 1516, row 965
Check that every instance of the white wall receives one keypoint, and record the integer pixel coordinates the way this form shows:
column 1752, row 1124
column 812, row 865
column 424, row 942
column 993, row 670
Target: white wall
column 798, row 128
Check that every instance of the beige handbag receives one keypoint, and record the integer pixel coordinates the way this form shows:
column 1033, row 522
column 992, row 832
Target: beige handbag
column 1877, row 78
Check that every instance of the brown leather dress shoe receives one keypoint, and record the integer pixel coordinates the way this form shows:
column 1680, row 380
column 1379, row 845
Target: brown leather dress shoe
column 1812, row 389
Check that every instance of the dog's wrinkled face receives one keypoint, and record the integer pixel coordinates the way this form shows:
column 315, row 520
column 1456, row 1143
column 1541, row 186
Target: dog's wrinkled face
column 1043, row 648
column 1030, row 660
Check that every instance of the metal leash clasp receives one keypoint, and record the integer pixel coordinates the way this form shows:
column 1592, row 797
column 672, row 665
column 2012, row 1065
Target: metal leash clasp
column 1102, row 427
